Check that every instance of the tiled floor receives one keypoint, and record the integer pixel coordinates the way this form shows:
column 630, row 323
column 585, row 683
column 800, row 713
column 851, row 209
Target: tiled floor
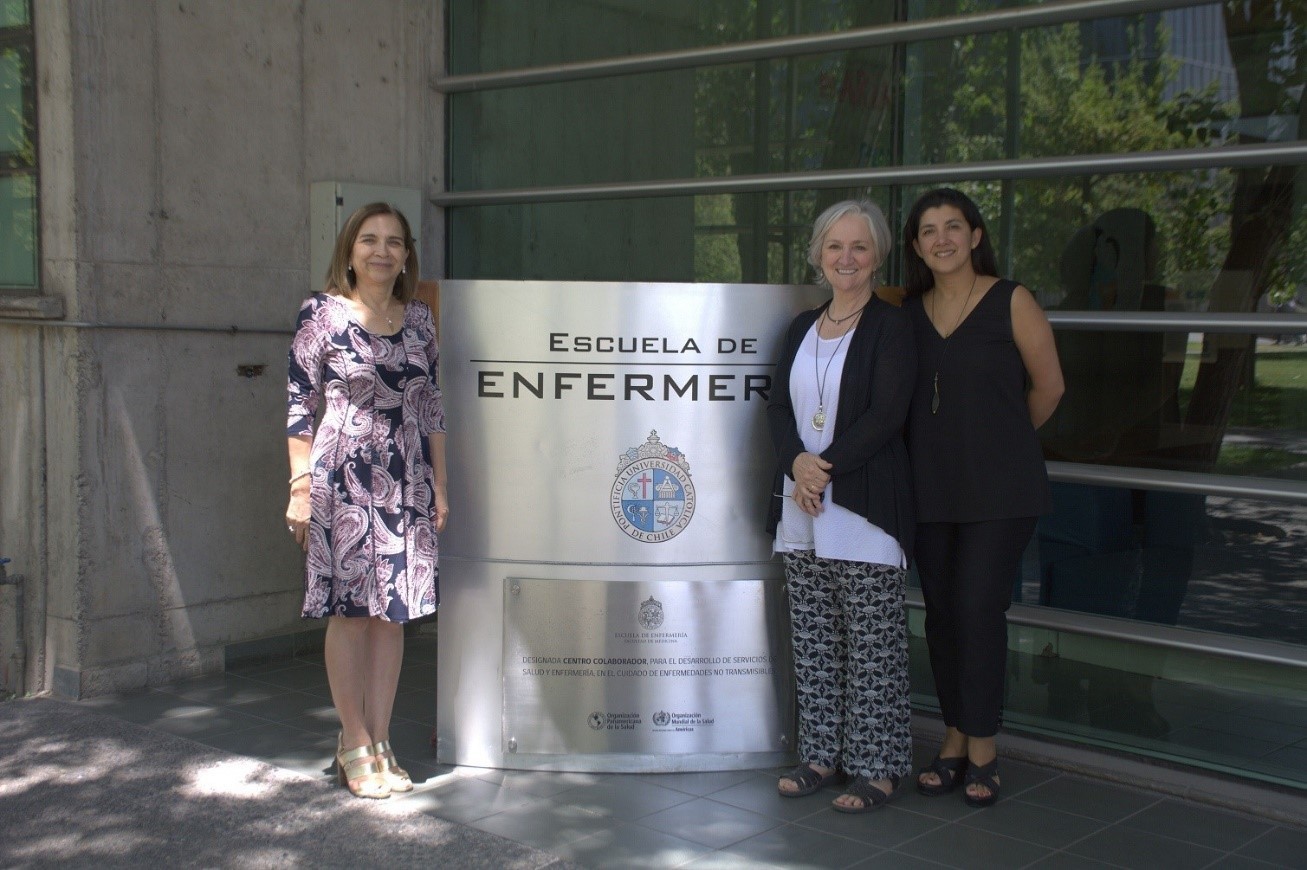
column 281, row 713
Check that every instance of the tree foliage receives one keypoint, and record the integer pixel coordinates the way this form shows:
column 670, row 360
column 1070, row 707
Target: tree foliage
column 1070, row 103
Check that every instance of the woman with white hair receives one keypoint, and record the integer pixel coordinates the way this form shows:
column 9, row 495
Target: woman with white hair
column 842, row 515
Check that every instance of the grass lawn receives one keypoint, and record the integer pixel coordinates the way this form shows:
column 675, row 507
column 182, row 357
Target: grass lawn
column 1277, row 401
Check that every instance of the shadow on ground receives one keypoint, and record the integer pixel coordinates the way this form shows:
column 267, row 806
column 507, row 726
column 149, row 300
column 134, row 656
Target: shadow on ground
column 80, row 789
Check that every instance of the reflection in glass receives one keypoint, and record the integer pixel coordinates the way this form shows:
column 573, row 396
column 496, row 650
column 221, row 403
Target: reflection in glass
column 1212, row 240
column 1147, row 398
column 14, row 13
column 635, row 240
column 14, row 123
column 18, row 245
column 18, row 266
column 833, row 111
column 1191, row 706
column 1219, row 240
column 482, row 32
column 1204, row 562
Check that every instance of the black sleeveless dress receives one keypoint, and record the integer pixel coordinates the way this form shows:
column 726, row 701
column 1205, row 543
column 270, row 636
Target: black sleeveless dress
column 978, row 458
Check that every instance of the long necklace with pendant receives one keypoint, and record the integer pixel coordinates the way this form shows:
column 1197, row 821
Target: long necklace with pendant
column 934, row 402
column 819, row 418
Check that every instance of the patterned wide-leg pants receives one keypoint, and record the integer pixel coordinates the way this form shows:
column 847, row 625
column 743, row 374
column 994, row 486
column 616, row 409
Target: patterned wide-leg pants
column 850, row 664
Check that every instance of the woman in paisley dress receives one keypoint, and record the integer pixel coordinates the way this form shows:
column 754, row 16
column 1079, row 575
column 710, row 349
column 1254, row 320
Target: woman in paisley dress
column 367, row 487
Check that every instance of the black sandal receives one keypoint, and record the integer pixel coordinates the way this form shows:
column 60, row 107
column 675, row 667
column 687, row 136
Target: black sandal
column 950, row 771
column 808, row 781
column 982, row 775
column 872, row 797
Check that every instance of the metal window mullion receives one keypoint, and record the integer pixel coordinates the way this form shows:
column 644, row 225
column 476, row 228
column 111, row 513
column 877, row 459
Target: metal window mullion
column 1254, row 156
column 1177, row 321
column 990, row 21
column 1206, row 643
column 1198, row 483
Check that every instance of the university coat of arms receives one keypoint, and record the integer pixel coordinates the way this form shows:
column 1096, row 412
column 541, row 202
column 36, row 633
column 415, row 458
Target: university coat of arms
column 652, row 498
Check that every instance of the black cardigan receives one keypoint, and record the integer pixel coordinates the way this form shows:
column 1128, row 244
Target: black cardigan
column 870, row 472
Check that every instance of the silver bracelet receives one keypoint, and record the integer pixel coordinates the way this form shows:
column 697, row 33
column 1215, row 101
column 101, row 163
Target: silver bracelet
column 301, row 474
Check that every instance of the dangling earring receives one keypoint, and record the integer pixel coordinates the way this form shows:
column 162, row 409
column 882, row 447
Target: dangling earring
column 404, row 271
column 349, row 268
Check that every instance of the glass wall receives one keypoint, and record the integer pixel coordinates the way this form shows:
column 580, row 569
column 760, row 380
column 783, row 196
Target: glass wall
column 18, row 251
column 787, row 114
column 1179, row 454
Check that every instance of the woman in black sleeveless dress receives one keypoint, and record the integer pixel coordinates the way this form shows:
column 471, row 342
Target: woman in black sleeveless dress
column 987, row 378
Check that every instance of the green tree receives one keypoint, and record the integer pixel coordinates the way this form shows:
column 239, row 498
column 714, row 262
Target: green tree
column 1073, row 103
column 1266, row 38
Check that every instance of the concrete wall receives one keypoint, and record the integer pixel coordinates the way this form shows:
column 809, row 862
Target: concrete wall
column 181, row 142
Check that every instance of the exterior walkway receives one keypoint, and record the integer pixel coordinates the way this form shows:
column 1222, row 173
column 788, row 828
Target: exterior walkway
column 234, row 771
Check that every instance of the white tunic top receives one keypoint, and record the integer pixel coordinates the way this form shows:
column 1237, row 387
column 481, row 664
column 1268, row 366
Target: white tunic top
column 837, row 533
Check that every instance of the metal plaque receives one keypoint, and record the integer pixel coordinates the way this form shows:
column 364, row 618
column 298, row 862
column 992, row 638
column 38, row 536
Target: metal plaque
column 670, row 667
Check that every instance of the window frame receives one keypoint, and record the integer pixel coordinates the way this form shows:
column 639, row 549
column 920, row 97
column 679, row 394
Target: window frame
column 21, row 38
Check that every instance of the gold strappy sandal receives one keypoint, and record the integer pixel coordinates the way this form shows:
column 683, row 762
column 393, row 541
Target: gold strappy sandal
column 396, row 777
column 364, row 779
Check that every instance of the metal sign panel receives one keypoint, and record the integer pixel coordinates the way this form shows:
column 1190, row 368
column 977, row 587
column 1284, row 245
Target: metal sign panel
column 668, row 667
column 550, row 386
column 606, row 439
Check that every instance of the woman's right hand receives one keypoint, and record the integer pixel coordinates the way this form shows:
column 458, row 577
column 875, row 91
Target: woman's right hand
column 298, row 513
column 811, row 475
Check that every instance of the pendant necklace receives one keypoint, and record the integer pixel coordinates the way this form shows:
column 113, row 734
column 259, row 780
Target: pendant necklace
column 390, row 321
column 934, row 402
column 819, row 418
column 853, row 313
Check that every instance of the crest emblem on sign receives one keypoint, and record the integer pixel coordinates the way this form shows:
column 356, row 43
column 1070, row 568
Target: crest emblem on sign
column 652, row 498
column 651, row 614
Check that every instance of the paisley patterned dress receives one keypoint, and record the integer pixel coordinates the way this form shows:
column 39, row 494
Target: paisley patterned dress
column 372, row 538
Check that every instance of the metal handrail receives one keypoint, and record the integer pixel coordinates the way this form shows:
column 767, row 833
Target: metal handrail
column 992, row 21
